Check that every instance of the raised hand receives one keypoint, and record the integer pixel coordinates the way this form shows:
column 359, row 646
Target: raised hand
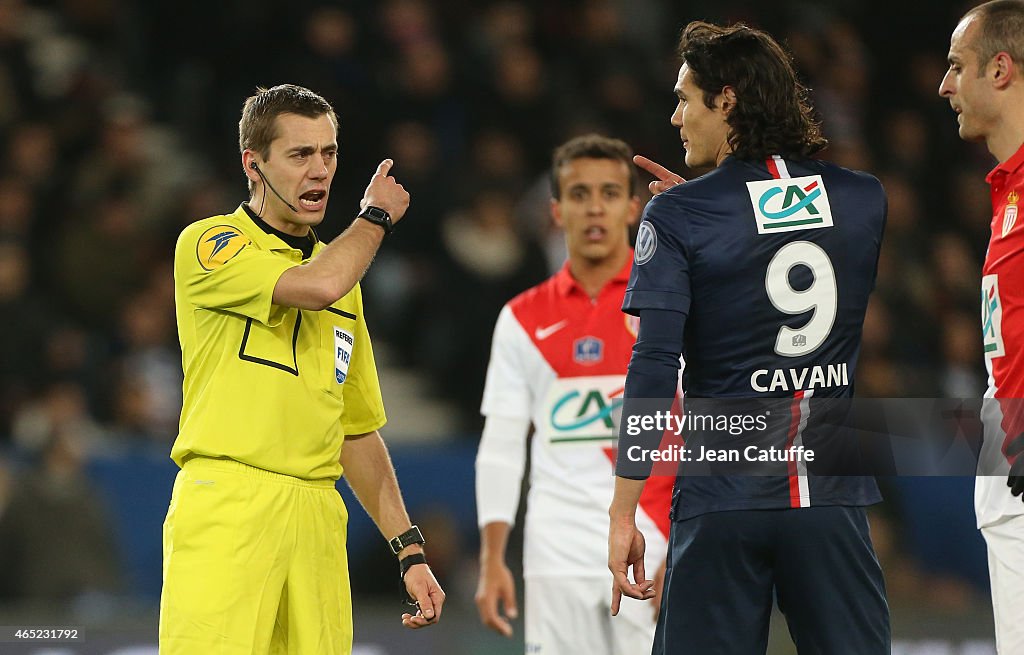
column 666, row 178
column 385, row 192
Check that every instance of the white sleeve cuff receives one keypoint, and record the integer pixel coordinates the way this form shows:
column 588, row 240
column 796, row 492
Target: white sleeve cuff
column 500, row 462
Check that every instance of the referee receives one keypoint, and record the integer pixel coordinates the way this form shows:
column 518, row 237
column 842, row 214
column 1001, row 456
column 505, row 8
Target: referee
column 280, row 399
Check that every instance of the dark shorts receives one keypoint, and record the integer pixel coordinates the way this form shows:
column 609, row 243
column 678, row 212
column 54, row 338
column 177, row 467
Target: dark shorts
column 726, row 568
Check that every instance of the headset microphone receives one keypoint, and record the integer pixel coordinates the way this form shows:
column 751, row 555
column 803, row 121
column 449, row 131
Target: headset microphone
column 263, row 177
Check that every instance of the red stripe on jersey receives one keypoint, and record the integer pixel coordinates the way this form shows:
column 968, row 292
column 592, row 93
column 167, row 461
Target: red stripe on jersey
column 794, row 427
column 773, row 168
column 656, row 501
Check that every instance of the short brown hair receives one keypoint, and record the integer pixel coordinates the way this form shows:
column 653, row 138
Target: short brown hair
column 772, row 113
column 591, row 146
column 257, row 128
column 1000, row 29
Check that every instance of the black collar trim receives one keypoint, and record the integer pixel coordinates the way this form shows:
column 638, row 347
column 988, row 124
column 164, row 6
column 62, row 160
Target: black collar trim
column 303, row 244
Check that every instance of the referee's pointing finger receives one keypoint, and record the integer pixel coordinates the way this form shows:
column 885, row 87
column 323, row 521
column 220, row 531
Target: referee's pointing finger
column 384, row 167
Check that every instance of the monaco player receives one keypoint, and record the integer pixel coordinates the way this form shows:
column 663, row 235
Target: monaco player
column 985, row 87
column 558, row 361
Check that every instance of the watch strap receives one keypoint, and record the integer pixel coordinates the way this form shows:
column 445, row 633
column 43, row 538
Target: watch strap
column 407, row 538
column 409, row 561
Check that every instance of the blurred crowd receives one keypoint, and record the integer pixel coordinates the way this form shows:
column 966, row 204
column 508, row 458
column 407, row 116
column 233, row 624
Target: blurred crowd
column 118, row 126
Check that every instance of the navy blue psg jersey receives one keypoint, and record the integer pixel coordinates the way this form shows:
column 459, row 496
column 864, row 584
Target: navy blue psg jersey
column 773, row 263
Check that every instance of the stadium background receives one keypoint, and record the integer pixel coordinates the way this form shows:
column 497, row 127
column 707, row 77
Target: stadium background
column 118, row 126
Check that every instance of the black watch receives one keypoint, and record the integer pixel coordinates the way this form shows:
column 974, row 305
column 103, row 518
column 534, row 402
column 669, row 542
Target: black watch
column 377, row 216
column 407, row 538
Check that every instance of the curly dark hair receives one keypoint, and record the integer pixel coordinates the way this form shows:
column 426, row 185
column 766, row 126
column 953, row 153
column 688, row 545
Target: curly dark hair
column 772, row 115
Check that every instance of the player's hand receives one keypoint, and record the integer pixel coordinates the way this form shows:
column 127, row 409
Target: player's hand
column 1016, row 479
column 666, row 178
column 424, row 589
column 659, row 588
column 626, row 550
column 496, row 587
column 386, row 193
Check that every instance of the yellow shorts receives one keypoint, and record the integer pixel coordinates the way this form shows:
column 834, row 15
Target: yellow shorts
column 254, row 563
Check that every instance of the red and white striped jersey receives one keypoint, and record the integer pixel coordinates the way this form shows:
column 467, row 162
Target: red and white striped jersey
column 1002, row 318
column 559, row 358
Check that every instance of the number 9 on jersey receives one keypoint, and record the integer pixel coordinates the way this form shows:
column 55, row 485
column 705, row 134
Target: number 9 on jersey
column 821, row 297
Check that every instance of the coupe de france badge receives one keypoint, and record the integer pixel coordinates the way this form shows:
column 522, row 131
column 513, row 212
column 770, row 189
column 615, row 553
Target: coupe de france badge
column 588, row 350
column 1010, row 213
column 343, row 341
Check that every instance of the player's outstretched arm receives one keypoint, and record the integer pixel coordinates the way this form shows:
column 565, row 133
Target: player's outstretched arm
column 338, row 267
column 626, row 545
column 666, row 178
column 370, row 474
column 497, row 588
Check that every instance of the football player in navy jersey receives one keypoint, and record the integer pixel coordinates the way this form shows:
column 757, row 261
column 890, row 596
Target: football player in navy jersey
column 759, row 273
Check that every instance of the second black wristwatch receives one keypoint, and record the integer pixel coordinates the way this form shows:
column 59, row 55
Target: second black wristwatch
column 378, row 216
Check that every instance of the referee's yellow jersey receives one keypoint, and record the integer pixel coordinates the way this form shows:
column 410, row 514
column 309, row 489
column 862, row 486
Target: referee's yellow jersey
column 273, row 387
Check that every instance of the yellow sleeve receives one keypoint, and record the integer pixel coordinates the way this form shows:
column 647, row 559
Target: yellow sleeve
column 364, row 407
column 218, row 267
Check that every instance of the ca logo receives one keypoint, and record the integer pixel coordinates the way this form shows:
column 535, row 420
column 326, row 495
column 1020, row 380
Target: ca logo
column 799, row 203
column 991, row 317
column 794, row 201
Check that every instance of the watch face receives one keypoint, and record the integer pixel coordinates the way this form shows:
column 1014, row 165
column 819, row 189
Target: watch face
column 376, row 213
column 378, row 216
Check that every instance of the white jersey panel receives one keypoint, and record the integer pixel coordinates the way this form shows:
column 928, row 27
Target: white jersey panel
column 993, row 501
